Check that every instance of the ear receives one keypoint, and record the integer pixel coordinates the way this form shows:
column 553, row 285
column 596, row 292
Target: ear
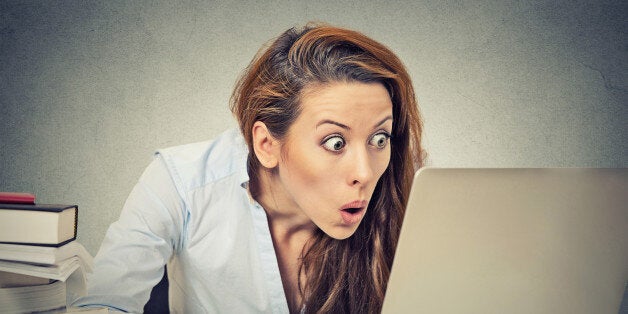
column 265, row 146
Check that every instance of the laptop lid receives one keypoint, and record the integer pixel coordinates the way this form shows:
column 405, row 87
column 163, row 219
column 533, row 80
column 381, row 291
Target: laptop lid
column 512, row 241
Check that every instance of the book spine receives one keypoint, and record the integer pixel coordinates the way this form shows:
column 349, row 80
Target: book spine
column 75, row 227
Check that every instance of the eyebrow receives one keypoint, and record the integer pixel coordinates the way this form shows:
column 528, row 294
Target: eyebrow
column 346, row 127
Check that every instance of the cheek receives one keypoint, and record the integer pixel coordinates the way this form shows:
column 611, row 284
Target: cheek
column 382, row 162
column 305, row 171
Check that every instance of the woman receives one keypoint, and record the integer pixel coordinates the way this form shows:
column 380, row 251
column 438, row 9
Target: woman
column 300, row 211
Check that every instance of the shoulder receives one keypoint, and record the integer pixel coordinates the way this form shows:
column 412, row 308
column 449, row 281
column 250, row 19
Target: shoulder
column 198, row 164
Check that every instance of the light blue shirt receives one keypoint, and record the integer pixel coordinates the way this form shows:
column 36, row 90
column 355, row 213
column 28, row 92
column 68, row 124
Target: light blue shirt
column 191, row 209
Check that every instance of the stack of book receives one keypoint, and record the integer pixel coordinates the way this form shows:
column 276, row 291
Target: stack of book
column 42, row 266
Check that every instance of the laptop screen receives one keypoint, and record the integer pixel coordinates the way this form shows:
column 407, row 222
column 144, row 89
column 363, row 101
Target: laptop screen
column 512, row 241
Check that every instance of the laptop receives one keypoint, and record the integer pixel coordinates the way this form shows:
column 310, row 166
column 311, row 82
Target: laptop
column 513, row 241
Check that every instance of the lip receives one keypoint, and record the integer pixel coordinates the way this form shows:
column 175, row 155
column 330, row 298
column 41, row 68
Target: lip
column 353, row 217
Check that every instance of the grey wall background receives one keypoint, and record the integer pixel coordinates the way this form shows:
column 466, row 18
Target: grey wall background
column 89, row 90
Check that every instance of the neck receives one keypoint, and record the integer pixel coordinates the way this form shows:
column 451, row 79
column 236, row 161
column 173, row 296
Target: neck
column 287, row 221
column 290, row 230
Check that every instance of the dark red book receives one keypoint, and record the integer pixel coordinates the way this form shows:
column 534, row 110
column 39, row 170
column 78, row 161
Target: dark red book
column 17, row 198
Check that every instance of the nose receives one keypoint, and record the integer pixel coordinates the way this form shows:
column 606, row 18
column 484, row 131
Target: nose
column 361, row 171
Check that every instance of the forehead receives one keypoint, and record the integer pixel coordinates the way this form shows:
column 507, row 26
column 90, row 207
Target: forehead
column 345, row 99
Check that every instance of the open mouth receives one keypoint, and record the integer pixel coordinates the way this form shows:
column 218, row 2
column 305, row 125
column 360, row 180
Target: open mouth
column 352, row 210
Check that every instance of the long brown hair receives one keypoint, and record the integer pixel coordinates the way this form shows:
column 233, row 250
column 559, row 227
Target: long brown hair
column 342, row 276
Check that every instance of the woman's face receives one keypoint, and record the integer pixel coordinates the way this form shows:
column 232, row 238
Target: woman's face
column 334, row 154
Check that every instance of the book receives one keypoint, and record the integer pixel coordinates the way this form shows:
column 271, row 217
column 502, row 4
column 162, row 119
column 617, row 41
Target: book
column 47, row 225
column 17, row 198
column 30, row 299
column 13, row 280
column 88, row 310
column 45, row 255
column 60, row 271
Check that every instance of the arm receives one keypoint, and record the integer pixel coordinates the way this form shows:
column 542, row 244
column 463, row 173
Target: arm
column 132, row 256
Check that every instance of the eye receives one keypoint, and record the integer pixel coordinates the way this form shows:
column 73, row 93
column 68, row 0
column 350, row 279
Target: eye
column 334, row 143
column 379, row 140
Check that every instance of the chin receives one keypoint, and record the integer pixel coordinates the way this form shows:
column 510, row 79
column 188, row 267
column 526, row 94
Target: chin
column 340, row 233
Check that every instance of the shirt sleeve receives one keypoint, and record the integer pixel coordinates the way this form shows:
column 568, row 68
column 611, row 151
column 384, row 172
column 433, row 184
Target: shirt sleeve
column 131, row 259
